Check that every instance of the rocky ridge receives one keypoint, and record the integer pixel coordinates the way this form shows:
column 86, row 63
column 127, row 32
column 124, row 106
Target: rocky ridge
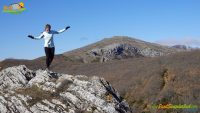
column 26, row 91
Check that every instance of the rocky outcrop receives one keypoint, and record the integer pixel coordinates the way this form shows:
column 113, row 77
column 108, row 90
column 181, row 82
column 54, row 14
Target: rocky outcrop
column 26, row 91
column 120, row 51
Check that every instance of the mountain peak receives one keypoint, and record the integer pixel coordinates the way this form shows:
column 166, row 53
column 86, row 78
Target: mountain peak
column 121, row 38
column 118, row 47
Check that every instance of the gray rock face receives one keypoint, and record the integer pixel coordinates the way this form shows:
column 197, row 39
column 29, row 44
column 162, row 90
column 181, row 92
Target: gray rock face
column 26, row 91
column 120, row 51
column 15, row 77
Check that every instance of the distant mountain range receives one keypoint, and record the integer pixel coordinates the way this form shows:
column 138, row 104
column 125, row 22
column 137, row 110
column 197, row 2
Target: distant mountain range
column 184, row 47
column 144, row 73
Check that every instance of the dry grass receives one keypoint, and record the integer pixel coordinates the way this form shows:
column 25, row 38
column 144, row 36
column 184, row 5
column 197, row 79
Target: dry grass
column 36, row 93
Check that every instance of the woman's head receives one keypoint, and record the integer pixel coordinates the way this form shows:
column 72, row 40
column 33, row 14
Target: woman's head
column 47, row 27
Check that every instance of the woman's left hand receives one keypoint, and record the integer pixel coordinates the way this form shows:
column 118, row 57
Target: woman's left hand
column 67, row 27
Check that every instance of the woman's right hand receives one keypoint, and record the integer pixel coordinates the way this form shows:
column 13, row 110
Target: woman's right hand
column 30, row 36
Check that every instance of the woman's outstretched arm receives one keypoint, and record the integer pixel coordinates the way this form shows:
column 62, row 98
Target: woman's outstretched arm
column 37, row 38
column 61, row 31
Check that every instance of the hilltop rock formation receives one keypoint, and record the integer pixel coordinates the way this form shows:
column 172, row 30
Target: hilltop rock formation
column 120, row 51
column 26, row 91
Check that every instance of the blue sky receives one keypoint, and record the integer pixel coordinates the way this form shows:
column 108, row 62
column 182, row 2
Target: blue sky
column 163, row 21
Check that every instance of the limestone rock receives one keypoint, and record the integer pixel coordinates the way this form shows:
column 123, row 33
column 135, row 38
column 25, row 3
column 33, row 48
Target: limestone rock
column 26, row 91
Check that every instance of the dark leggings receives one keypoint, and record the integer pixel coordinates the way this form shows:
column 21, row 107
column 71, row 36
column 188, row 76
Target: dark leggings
column 49, row 55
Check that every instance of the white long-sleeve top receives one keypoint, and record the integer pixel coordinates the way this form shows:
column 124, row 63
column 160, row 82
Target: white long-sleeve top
column 48, row 37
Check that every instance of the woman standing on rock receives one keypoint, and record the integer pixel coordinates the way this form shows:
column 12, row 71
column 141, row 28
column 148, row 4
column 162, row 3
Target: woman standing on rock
column 48, row 43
